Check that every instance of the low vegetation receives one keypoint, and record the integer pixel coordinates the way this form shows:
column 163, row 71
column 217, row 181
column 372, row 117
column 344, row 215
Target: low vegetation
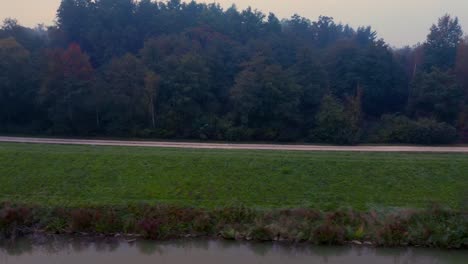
column 400, row 129
column 435, row 227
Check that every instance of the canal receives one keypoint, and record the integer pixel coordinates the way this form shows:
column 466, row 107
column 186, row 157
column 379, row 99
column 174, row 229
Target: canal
column 71, row 251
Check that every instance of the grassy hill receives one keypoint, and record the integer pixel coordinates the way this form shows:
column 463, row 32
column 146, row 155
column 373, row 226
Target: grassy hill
column 86, row 175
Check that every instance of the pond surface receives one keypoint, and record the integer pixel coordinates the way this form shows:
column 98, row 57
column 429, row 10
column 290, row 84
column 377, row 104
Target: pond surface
column 71, row 251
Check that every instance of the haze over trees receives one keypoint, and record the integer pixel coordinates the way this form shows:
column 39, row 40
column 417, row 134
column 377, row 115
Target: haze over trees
column 197, row 71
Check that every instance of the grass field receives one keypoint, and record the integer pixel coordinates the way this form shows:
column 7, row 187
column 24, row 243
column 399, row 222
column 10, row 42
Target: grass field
column 86, row 175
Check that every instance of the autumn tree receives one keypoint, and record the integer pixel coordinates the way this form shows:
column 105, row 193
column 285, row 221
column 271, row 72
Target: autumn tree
column 66, row 87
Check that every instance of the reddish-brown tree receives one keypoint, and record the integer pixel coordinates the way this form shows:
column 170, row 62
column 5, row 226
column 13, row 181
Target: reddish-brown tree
column 66, row 85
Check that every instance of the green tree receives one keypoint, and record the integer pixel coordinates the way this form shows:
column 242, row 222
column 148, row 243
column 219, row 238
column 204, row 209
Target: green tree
column 16, row 90
column 461, row 68
column 436, row 95
column 309, row 73
column 442, row 42
column 74, row 18
column 124, row 82
column 187, row 92
column 461, row 71
column 371, row 68
column 334, row 124
column 266, row 99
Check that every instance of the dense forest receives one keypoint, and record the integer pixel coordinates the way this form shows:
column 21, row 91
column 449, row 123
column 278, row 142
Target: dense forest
column 178, row 70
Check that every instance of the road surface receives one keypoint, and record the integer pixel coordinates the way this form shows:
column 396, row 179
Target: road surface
column 192, row 145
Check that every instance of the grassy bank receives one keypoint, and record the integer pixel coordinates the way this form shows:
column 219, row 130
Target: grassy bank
column 76, row 176
column 430, row 228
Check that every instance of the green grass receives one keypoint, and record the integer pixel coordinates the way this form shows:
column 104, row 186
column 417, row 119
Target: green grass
column 87, row 175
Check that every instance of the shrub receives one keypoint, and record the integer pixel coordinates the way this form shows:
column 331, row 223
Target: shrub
column 53, row 220
column 262, row 233
column 235, row 215
column 228, row 233
column 13, row 220
column 335, row 124
column 395, row 230
column 436, row 227
column 429, row 131
column 238, row 133
column 302, row 213
column 439, row 227
column 203, row 224
column 14, row 215
column 150, row 228
column 328, row 233
column 401, row 129
column 107, row 221
column 81, row 220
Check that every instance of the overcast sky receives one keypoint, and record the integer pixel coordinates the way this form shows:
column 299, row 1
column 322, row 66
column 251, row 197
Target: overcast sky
column 399, row 22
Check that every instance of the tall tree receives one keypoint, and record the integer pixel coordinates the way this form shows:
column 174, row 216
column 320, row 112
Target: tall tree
column 436, row 95
column 152, row 81
column 124, row 82
column 16, row 90
column 336, row 123
column 310, row 74
column 31, row 39
column 66, row 87
column 371, row 68
column 266, row 99
column 187, row 91
column 73, row 18
column 442, row 42
column 461, row 68
column 462, row 76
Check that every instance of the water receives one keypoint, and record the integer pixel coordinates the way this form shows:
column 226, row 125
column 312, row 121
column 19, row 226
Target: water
column 210, row 251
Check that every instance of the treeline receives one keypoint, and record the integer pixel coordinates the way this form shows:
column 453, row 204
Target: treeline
column 196, row 71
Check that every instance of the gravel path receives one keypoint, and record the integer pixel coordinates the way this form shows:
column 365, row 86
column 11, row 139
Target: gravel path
column 448, row 149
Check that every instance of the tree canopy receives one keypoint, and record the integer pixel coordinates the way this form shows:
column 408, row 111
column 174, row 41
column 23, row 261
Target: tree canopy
column 186, row 70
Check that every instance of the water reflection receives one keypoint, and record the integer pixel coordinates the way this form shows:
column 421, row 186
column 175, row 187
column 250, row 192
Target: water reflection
column 67, row 250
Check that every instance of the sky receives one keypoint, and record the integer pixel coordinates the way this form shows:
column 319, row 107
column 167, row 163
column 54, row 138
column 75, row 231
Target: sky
column 399, row 22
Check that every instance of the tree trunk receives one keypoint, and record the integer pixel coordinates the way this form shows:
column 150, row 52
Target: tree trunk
column 98, row 122
column 415, row 68
column 152, row 113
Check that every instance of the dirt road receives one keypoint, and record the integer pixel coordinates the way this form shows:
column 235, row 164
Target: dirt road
column 449, row 149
